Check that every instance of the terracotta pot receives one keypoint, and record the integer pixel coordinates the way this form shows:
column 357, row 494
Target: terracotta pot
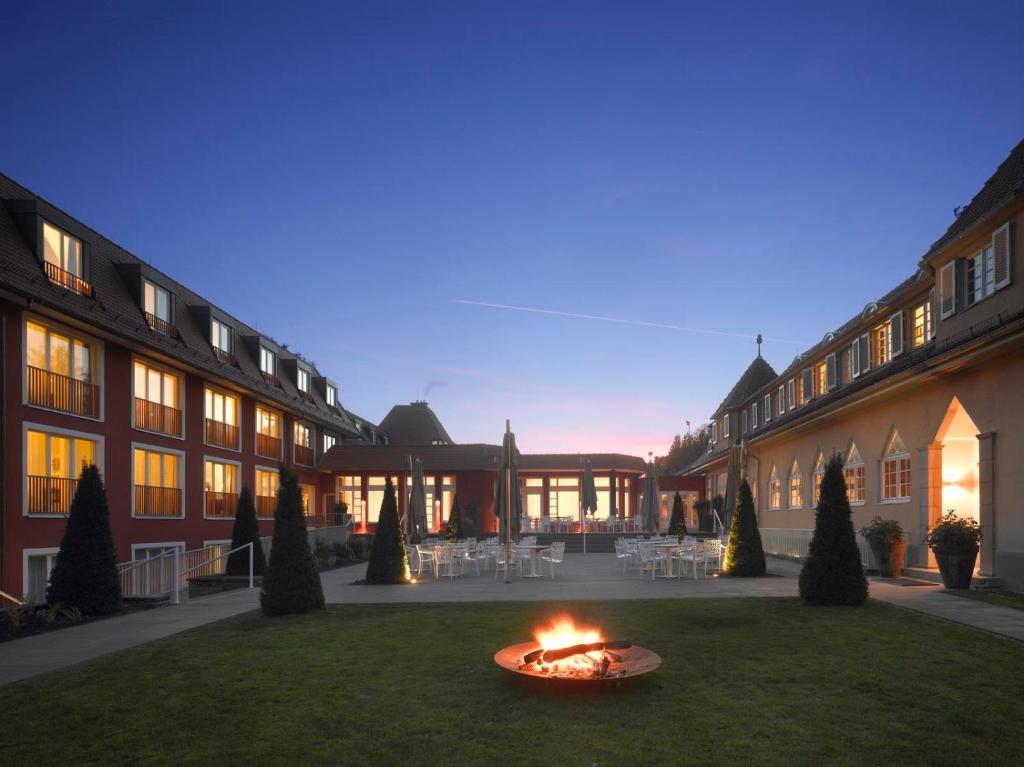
column 889, row 557
column 956, row 567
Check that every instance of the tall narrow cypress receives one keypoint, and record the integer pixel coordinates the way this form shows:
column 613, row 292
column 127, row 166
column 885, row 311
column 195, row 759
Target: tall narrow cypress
column 454, row 532
column 744, row 556
column 292, row 583
column 246, row 530
column 833, row 573
column 389, row 561
column 85, row 575
column 676, row 523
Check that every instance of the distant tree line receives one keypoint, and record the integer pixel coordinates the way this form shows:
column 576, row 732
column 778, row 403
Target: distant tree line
column 683, row 450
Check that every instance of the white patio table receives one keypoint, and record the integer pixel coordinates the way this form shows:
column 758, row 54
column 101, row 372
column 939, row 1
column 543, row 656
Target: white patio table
column 533, row 549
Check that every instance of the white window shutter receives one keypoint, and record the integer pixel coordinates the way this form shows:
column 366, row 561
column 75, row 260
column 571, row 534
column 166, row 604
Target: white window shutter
column 830, row 371
column 1001, row 254
column 865, row 353
column 896, row 334
column 947, row 290
column 855, row 358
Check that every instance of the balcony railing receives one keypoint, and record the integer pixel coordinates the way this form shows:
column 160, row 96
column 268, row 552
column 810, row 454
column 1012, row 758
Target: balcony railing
column 50, row 495
column 61, row 392
column 268, row 446
column 152, row 416
column 67, row 280
column 304, row 455
column 221, row 504
column 271, row 379
column 221, row 434
column 265, row 506
column 226, row 357
column 161, row 326
column 157, row 501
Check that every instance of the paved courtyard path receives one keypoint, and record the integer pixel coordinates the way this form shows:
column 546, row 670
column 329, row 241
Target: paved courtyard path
column 583, row 576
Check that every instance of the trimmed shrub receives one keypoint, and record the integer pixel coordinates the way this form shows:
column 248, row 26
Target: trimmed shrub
column 453, row 532
column 744, row 556
column 676, row 524
column 85, row 575
column 833, row 574
column 292, row 583
column 389, row 561
column 246, row 530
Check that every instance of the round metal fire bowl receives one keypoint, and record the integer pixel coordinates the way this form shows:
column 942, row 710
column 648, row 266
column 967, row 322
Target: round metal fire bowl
column 635, row 662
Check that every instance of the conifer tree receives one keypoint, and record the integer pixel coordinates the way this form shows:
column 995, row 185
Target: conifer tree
column 389, row 561
column 676, row 523
column 246, row 530
column 744, row 556
column 85, row 575
column 292, row 583
column 833, row 573
column 454, row 532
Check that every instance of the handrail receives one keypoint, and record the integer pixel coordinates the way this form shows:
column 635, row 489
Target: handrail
column 718, row 524
column 179, row 573
column 5, row 595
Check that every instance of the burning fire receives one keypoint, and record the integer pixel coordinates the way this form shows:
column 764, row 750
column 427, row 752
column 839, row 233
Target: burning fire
column 563, row 632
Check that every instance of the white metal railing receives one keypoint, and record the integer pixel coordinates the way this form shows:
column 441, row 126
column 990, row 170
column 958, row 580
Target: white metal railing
column 4, row 595
column 795, row 542
column 717, row 525
column 167, row 573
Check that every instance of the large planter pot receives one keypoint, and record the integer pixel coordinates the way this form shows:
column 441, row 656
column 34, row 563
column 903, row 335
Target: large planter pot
column 956, row 567
column 889, row 557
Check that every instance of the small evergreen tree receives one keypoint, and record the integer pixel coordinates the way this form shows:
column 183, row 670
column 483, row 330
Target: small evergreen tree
column 676, row 523
column 833, row 573
column 246, row 530
column 454, row 532
column 292, row 583
column 85, row 576
column 389, row 561
column 744, row 556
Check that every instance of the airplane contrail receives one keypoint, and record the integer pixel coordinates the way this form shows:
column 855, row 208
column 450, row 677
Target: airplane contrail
column 619, row 320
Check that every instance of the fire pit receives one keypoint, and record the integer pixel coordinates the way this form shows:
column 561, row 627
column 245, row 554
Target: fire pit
column 564, row 651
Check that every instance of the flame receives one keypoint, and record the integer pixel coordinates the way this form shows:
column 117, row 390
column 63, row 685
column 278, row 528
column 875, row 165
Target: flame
column 563, row 632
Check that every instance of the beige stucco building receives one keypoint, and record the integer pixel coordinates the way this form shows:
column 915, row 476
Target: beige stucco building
column 920, row 393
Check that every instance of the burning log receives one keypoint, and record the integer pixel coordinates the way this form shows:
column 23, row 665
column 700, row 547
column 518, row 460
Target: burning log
column 550, row 656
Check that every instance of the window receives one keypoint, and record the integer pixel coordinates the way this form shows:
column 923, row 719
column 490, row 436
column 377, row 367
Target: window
column 429, row 488
column 819, row 474
column 375, row 487
column 329, row 441
column 308, row 493
column 59, row 371
column 157, row 400
column 745, row 422
column 753, row 416
column 767, row 408
column 820, row 378
column 896, row 471
column 266, row 492
column 332, row 395
column 774, row 491
column 221, row 486
column 63, row 260
column 302, row 380
column 796, row 487
column 831, row 372
column 781, row 397
column 349, row 490
column 53, row 462
column 447, row 497
column 564, row 498
column 791, row 393
column 222, row 414
column 887, row 339
column 39, row 563
column 268, row 363
column 714, row 432
column 853, row 473
column 725, row 426
column 981, row 276
column 156, row 303
column 268, row 433
column 157, row 483
column 806, row 386
column 220, row 339
column 923, row 323
column 303, row 443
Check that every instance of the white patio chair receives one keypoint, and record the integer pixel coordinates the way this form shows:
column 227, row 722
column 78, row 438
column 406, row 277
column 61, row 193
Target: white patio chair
column 621, row 553
column 471, row 553
column 650, row 559
column 425, row 561
column 500, row 563
column 714, row 551
column 694, row 556
column 448, row 561
column 554, row 555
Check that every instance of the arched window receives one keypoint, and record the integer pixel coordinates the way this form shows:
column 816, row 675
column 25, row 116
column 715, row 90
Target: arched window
column 853, row 473
column 796, row 487
column 819, row 473
column 896, row 470
column 774, row 491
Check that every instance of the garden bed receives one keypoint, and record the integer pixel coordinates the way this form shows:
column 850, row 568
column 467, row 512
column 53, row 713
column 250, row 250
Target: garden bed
column 18, row 623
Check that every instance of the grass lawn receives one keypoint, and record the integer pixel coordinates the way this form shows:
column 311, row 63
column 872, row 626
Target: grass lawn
column 744, row 681
column 993, row 597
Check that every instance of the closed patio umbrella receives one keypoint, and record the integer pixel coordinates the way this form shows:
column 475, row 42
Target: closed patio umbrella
column 589, row 498
column 416, row 508
column 650, row 508
column 507, row 495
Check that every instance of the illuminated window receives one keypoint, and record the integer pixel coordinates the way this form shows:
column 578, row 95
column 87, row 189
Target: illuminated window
column 428, row 493
column 332, row 395
column 302, row 380
column 268, row 432
column 329, row 441
column 820, row 378
column 220, row 336
column 268, row 362
column 222, row 415
column 375, row 487
column 853, row 473
column 308, row 493
column 157, row 483
column 52, row 465
column 157, row 395
column 62, row 250
column 796, row 487
column 266, row 493
column 564, row 497
column 303, row 435
column 923, row 332
column 896, row 471
column 819, row 474
column 156, row 302
column 774, row 491
column 221, row 488
column 349, row 490
column 50, row 350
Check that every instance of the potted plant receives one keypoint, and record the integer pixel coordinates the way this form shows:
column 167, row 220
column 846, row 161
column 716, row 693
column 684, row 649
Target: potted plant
column 954, row 540
column 885, row 537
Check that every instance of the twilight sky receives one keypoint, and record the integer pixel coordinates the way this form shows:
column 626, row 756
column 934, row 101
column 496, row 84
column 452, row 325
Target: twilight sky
column 356, row 179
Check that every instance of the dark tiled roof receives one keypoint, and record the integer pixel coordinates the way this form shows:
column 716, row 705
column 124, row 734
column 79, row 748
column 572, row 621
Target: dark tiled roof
column 757, row 374
column 414, row 424
column 1004, row 185
column 115, row 310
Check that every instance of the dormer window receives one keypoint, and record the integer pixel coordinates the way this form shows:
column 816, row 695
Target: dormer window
column 332, row 395
column 302, row 380
column 221, row 340
column 63, row 260
column 156, row 303
column 268, row 364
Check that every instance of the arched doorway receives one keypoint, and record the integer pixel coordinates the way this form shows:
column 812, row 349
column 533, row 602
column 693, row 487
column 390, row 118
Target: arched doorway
column 958, row 437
